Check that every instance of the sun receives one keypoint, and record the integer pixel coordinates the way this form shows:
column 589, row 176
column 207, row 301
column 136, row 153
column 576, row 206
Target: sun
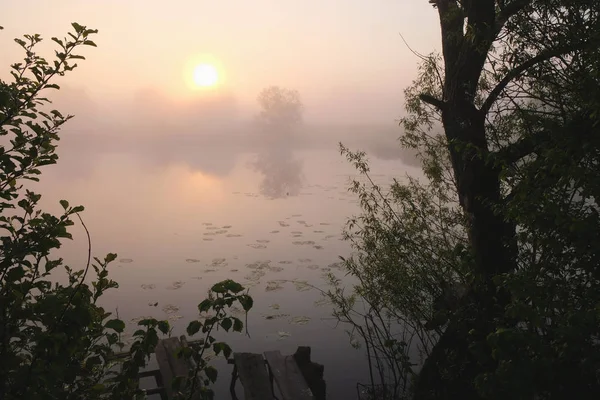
column 205, row 75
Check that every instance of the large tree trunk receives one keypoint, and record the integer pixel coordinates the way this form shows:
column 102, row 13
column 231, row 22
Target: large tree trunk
column 452, row 367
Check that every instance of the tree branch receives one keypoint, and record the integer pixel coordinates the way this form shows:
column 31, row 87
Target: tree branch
column 521, row 148
column 437, row 103
column 507, row 11
column 517, row 71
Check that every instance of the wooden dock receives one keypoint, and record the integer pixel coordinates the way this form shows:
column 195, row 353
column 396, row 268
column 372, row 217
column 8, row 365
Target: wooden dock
column 295, row 376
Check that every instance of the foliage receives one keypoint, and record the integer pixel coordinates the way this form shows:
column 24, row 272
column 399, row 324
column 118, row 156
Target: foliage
column 492, row 259
column 278, row 123
column 56, row 341
column 280, row 109
column 222, row 296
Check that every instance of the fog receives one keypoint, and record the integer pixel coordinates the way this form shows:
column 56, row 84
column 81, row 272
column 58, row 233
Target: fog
column 175, row 173
column 135, row 91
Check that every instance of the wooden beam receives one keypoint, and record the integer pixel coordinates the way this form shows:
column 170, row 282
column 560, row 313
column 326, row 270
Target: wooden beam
column 287, row 375
column 253, row 376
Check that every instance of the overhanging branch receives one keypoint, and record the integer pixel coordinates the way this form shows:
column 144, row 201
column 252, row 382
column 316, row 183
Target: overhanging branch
column 521, row 148
column 508, row 10
column 517, row 71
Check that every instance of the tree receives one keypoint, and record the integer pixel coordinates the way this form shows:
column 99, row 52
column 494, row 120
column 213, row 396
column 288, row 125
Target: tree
column 55, row 340
column 487, row 261
column 281, row 110
column 278, row 121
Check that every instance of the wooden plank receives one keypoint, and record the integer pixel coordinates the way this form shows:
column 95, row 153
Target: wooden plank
column 288, row 377
column 179, row 366
column 253, row 376
column 165, row 367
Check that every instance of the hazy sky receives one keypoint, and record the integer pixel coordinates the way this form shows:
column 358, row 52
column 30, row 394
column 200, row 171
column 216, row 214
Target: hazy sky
column 345, row 57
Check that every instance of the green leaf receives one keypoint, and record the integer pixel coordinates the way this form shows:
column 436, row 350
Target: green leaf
column 77, row 209
column 116, row 325
column 238, row 325
column 193, row 327
column 205, row 305
column 151, row 322
column 234, row 287
column 164, row 327
column 219, row 347
column 226, row 324
column 64, row 204
column 78, row 28
column 246, row 302
column 212, row 373
column 227, row 285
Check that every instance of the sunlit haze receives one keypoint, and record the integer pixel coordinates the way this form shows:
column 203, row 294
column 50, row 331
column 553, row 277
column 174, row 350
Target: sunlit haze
column 345, row 57
column 205, row 147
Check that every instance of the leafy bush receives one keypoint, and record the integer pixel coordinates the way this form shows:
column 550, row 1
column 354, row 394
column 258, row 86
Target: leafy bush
column 55, row 340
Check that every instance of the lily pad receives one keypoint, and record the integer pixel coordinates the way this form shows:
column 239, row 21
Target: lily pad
column 304, row 242
column 300, row 320
column 301, row 286
column 192, row 260
column 170, row 309
column 273, row 286
column 126, row 260
column 276, row 316
column 255, row 275
column 257, row 246
column 218, row 262
column 176, row 285
column 282, row 335
column 148, row 286
column 259, row 264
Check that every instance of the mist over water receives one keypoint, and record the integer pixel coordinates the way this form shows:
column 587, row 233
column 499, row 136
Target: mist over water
column 189, row 187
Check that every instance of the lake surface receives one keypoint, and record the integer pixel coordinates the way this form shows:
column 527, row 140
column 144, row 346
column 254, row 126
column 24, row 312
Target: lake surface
column 183, row 219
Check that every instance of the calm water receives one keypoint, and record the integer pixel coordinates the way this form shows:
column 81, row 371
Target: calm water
column 184, row 218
